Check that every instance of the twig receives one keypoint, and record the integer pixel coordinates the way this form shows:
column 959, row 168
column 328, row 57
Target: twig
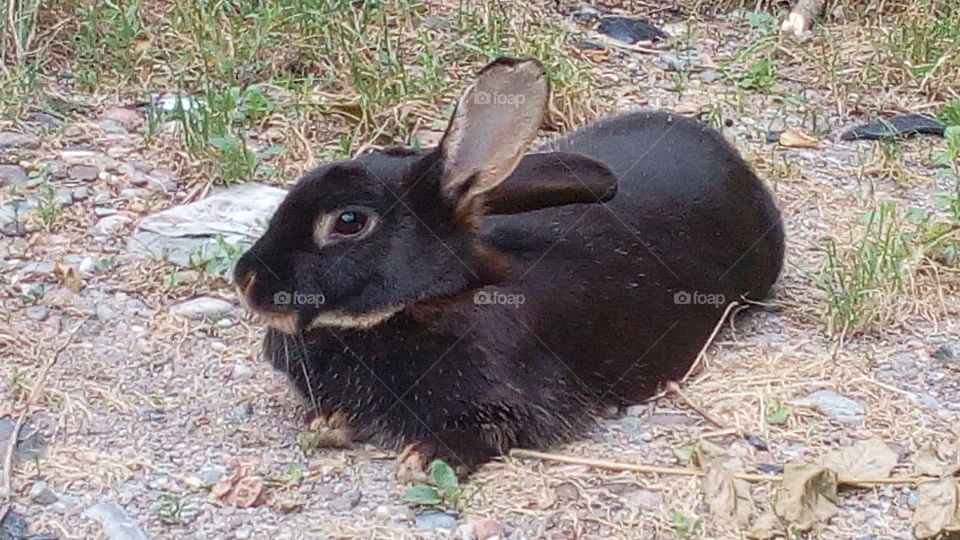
column 31, row 401
column 686, row 471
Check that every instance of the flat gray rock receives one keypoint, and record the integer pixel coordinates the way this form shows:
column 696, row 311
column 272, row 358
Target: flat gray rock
column 202, row 308
column 838, row 407
column 12, row 175
column 117, row 524
column 238, row 214
column 11, row 139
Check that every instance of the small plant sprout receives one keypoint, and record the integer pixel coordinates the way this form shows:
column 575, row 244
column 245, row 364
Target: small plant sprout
column 442, row 491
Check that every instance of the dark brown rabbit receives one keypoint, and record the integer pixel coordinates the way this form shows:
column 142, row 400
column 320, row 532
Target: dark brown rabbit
column 468, row 298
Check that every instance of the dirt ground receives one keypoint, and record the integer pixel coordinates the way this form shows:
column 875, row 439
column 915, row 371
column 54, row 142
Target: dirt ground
column 148, row 409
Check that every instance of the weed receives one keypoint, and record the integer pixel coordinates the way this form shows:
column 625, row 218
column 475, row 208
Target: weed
column 950, row 113
column 684, row 526
column 220, row 258
column 444, row 489
column 48, row 209
column 173, row 509
column 778, row 412
column 761, row 76
column 927, row 39
column 861, row 279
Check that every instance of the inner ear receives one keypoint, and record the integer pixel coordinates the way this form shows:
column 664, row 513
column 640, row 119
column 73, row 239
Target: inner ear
column 495, row 121
column 552, row 179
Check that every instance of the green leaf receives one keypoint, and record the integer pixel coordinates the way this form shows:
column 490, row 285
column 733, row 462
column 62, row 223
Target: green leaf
column 443, row 475
column 423, row 494
column 778, row 413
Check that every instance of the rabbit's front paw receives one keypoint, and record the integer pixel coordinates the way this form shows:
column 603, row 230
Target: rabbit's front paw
column 413, row 462
column 330, row 430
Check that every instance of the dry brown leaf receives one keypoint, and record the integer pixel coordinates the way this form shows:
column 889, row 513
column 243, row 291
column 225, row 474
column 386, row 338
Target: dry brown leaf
column 807, row 495
column 938, row 499
column 729, row 499
column 242, row 488
column 68, row 276
column 285, row 500
column 792, row 138
column 937, row 460
column 246, row 492
column 866, row 459
column 767, row 526
column 937, row 507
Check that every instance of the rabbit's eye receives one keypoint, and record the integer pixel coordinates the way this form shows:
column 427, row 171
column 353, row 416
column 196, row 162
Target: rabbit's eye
column 350, row 223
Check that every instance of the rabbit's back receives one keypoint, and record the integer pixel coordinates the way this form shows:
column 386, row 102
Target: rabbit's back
column 630, row 290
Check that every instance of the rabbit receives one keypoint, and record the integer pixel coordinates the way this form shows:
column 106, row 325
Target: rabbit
column 462, row 300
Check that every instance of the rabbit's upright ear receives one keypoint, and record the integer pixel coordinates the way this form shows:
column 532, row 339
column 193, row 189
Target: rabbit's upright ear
column 493, row 125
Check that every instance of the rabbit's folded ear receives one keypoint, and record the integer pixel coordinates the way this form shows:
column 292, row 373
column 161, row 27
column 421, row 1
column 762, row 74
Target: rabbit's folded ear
column 493, row 125
column 552, row 179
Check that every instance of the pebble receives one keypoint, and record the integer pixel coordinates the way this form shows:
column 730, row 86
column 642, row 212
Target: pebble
column 81, row 193
column 211, row 475
column 46, row 120
column 433, row 520
column 10, row 139
column 243, row 410
column 57, row 169
column 108, row 225
column 241, row 370
column 838, row 407
column 128, row 118
column 37, row 313
column 346, row 501
column 104, row 313
column 84, row 173
column 949, row 354
column 63, row 197
column 101, row 211
column 12, row 175
column 41, row 493
column 486, row 529
column 202, row 307
column 109, row 126
column 87, row 266
column 115, row 521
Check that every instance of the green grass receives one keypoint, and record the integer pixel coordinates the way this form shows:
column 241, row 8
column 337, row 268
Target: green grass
column 926, row 41
column 861, row 279
column 336, row 73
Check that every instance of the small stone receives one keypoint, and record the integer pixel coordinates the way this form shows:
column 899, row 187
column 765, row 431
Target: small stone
column 46, row 120
column 202, row 307
column 81, row 193
column 10, row 139
column 36, row 313
column 949, row 354
column 243, row 410
column 243, row 533
column 645, row 499
column 567, row 491
column 109, row 126
column 139, row 179
column 486, row 529
column 241, row 370
column 57, row 169
column 41, row 493
column 112, row 224
column 128, row 118
column 115, row 521
column 85, row 173
column 143, row 165
column 466, row 532
column 838, row 407
column 87, row 266
column 433, row 520
column 930, row 401
column 63, row 197
column 12, row 175
column 104, row 313
column 346, row 501
column 101, row 211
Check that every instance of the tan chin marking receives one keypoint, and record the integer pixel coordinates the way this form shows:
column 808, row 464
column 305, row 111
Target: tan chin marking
column 286, row 322
column 356, row 321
